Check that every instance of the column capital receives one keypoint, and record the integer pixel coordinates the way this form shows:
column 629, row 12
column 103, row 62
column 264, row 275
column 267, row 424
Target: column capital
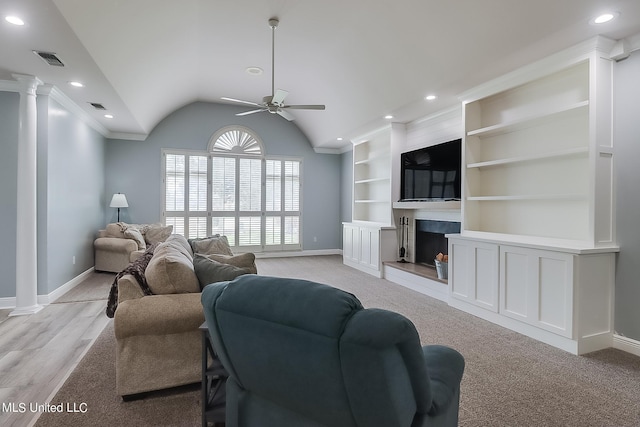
column 28, row 82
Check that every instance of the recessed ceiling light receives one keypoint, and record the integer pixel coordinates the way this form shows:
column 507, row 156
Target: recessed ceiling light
column 76, row 84
column 604, row 18
column 254, row 71
column 339, row 139
column 388, row 117
column 430, row 97
column 14, row 20
column 108, row 116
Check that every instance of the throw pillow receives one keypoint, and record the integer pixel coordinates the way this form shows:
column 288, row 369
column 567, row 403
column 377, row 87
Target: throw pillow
column 247, row 260
column 170, row 271
column 211, row 271
column 211, row 245
column 134, row 234
column 158, row 234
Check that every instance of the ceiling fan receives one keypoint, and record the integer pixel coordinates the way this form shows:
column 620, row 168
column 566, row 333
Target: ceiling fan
column 274, row 103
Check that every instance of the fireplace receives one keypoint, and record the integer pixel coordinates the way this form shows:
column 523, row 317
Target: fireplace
column 430, row 239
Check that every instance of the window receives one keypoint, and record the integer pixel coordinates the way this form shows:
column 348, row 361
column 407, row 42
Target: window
column 234, row 190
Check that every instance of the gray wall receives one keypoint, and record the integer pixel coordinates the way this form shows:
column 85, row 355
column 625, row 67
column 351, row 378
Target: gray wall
column 627, row 156
column 134, row 167
column 70, row 195
column 70, row 192
column 9, row 103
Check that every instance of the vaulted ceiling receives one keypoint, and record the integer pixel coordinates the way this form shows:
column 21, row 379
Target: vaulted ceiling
column 363, row 59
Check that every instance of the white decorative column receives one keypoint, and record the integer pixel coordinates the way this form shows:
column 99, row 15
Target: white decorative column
column 26, row 227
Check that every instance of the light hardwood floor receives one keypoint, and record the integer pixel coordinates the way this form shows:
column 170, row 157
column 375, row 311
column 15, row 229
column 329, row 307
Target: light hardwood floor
column 39, row 351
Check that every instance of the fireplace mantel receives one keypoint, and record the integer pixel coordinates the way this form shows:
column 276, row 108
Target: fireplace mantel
column 453, row 205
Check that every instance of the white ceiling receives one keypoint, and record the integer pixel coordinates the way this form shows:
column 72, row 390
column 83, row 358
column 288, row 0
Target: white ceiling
column 143, row 59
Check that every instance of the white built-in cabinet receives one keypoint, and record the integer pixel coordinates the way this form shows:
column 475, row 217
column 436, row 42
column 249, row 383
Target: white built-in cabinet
column 371, row 237
column 372, row 179
column 367, row 245
column 560, row 296
column 536, row 249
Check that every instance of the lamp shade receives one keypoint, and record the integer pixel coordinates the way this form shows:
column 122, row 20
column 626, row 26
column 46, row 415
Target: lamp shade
column 119, row 201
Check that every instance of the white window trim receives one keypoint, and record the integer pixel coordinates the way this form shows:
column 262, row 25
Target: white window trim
column 262, row 213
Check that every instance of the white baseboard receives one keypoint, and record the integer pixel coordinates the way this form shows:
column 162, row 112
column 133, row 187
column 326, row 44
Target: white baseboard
column 57, row 293
column 10, row 302
column 298, row 253
column 7, row 302
column 626, row 344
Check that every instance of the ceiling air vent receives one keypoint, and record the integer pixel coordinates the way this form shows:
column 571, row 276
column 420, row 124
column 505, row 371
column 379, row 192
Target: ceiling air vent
column 97, row 106
column 50, row 58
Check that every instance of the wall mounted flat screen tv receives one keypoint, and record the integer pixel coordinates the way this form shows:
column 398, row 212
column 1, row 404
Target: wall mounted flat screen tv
column 432, row 173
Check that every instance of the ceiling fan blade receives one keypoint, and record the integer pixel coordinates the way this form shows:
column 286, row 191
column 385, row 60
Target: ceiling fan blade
column 241, row 101
column 285, row 114
column 279, row 96
column 246, row 113
column 304, row 107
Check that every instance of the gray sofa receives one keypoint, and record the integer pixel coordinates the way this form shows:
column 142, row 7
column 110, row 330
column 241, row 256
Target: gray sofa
column 303, row 354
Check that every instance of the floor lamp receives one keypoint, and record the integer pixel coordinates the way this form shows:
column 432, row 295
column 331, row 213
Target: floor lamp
column 119, row 201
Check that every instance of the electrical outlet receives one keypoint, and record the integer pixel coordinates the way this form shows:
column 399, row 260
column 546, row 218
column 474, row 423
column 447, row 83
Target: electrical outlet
column 74, row 260
column 315, row 239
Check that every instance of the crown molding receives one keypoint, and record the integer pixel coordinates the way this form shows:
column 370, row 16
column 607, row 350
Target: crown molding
column 128, row 136
column 62, row 99
column 549, row 65
column 367, row 135
column 321, row 150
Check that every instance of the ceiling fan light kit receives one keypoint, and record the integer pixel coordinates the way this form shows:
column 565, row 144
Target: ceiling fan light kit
column 273, row 103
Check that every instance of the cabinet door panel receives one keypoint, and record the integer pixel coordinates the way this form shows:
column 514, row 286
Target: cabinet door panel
column 487, row 276
column 370, row 247
column 555, row 288
column 460, row 271
column 536, row 287
column 515, row 277
column 365, row 246
column 350, row 242
column 474, row 273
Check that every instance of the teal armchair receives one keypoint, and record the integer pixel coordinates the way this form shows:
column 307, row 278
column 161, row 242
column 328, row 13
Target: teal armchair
column 304, row 354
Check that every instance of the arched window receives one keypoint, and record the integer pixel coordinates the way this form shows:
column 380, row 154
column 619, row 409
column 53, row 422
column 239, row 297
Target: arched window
column 234, row 190
column 235, row 140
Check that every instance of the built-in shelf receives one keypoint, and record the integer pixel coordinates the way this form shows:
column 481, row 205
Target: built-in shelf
column 530, row 197
column 370, row 159
column 533, row 157
column 532, row 120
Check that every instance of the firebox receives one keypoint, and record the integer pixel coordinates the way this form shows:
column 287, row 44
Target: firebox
column 431, row 240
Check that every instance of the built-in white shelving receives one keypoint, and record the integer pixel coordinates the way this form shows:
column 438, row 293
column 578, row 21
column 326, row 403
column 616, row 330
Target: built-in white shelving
column 533, row 157
column 536, row 252
column 370, row 238
column 537, row 159
column 529, row 121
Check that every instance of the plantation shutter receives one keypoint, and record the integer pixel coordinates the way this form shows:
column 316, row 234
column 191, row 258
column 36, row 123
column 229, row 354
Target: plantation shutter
column 174, row 191
column 234, row 191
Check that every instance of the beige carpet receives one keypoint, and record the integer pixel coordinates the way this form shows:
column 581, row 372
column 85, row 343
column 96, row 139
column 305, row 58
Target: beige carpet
column 510, row 380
